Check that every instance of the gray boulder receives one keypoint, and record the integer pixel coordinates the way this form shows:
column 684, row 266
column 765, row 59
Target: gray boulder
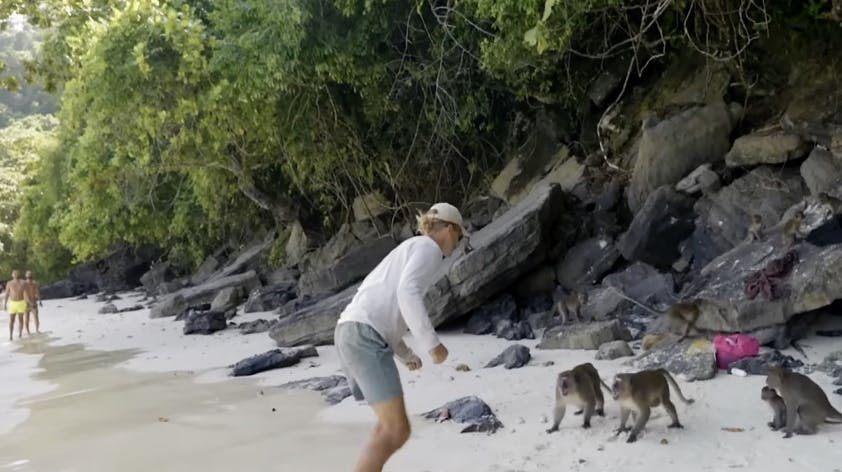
column 333, row 388
column 108, row 309
column 298, row 244
column 349, row 268
column 822, row 171
column 584, row 336
column 478, row 213
column 485, row 318
column 269, row 298
column 513, row 357
column 226, row 299
column 274, row 359
column 205, row 322
column 513, row 330
column 157, row 275
column 543, row 320
column 703, row 180
column 671, row 149
column 614, row 350
column 205, row 270
column 724, row 217
column 256, row 326
column 766, row 147
column 682, row 359
column 312, row 324
column 663, row 221
column 170, row 305
column 62, row 289
column 586, row 262
column 467, row 410
column 249, row 259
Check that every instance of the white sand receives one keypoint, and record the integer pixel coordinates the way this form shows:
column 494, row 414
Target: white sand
column 218, row 423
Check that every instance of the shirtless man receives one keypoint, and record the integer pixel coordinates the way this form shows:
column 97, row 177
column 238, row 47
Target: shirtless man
column 33, row 290
column 15, row 303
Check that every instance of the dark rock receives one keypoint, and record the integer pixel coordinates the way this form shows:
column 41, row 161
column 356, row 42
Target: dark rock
column 827, row 234
column 205, row 322
column 130, row 309
column 256, row 326
column 350, row 268
column 614, row 350
column 703, row 180
column 686, row 359
column 190, row 309
column 586, row 262
column 604, row 86
column 513, row 357
column 63, row 289
column 169, row 287
column 539, row 281
column 485, row 318
column 478, row 213
column 169, row 306
column 583, row 336
column 313, row 324
column 349, row 238
column 247, row 260
column 758, row 365
column 269, row 298
column 543, row 320
column 838, row 391
column 513, row 330
column 80, row 297
column 205, row 271
column 334, row 388
column 663, row 221
column 644, row 283
column 299, row 303
column 672, row 148
column 467, row 410
column 156, row 275
column 227, row 298
column 830, row 333
column 766, row 147
column 811, row 285
column 274, row 359
column 509, row 247
column 723, row 217
column 108, row 309
column 822, row 171
column 120, row 270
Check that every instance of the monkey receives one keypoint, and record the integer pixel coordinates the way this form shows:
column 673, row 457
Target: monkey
column 770, row 396
column 754, row 232
column 806, row 403
column 637, row 393
column 831, row 201
column 681, row 313
column 579, row 387
column 792, row 227
column 570, row 305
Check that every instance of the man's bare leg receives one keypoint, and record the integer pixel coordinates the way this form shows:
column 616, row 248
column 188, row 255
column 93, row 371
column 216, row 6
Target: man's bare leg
column 390, row 433
column 37, row 321
column 20, row 325
column 26, row 323
column 11, row 326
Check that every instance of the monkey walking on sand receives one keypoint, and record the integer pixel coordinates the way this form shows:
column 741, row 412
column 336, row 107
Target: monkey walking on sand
column 569, row 305
column 579, row 387
column 637, row 393
column 682, row 313
column 806, row 403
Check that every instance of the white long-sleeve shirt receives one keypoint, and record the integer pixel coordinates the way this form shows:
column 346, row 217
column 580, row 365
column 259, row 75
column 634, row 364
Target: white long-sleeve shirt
column 391, row 298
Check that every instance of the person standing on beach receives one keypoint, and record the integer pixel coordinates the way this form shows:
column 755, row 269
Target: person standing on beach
column 370, row 331
column 33, row 290
column 15, row 303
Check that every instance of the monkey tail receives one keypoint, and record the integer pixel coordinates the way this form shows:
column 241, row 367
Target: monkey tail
column 605, row 385
column 672, row 382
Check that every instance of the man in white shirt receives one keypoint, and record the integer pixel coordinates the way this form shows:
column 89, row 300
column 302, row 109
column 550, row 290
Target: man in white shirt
column 370, row 330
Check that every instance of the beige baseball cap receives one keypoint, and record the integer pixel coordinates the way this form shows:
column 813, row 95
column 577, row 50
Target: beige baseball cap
column 449, row 214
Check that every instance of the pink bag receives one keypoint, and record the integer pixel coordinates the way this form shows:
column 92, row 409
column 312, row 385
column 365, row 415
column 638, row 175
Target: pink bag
column 734, row 347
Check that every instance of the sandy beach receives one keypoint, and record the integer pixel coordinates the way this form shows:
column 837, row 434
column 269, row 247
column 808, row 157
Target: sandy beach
column 125, row 392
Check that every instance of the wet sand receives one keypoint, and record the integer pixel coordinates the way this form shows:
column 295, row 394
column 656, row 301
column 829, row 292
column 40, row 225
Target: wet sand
column 101, row 417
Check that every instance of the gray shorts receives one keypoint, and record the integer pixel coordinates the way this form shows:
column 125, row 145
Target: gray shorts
column 368, row 362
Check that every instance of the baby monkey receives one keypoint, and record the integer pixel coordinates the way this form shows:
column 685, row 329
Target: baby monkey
column 754, row 229
column 776, row 403
column 637, row 393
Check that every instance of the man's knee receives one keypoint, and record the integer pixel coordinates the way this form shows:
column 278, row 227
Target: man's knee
column 395, row 435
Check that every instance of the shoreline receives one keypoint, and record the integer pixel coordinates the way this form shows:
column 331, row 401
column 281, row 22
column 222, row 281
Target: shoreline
column 146, row 358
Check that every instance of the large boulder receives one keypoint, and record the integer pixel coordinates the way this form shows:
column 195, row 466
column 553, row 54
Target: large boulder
column 664, row 220
column 584, row 336
column 175, row 303
column 614, row 350
column 205, row 270
column 669, row 150
column 727, row 305
column 313, row 324
column 120, row 270
column 63, row 289
column 467, row 410
column 297, row 245
column 478, row 213
column 227, row 298
column 248, row 259
column 505, row 250
column 274, row 359
column 724, row 217
column 513, row 357
column 822, row 171
column 485, row 318
column 155, row 276
column 766, row 147
column 205, row 322
column 703, row 180
column 256, row 326
column 350, row 268
column 586, row 262
column 269, row 298
column 689, row 360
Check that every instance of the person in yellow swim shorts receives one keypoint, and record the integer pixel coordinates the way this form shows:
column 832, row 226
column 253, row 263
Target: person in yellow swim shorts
column 16, row 302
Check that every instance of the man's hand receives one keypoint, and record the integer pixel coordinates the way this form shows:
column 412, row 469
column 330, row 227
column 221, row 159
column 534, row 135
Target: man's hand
column 439, row 354
column 413, row 364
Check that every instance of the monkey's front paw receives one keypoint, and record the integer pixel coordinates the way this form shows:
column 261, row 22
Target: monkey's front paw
column 787, row 435
column 632, row 438
column 600, row 412
column 676, row 425
column 622, row 430
column 586, row 425
column 552, row 430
